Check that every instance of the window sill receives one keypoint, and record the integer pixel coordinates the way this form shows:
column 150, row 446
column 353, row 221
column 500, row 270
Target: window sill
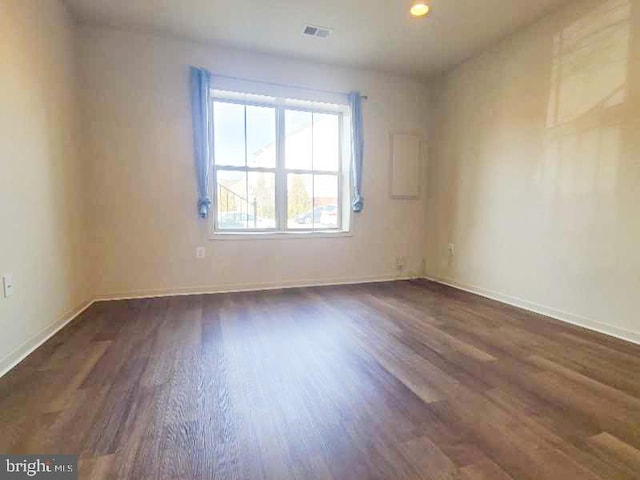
column 278, row 235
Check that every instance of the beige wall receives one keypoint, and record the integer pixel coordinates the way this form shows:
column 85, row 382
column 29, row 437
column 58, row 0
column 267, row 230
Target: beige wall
column 535, row 169
column 139, row 148
column 41, row 216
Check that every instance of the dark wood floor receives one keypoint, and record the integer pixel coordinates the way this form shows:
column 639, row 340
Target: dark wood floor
column 406, row 380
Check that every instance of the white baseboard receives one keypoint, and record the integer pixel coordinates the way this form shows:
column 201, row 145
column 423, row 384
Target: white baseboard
column 247, row 287
column 597, row 326
column 16, row 356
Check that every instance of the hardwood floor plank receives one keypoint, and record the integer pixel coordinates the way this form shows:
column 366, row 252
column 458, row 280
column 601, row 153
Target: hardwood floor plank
column 484, row 470
column 617, row 453
column 96, row 468
column 428, row 459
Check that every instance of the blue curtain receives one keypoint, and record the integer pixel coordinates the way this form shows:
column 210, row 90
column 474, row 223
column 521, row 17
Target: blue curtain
column 202, row 134
column 357, row 145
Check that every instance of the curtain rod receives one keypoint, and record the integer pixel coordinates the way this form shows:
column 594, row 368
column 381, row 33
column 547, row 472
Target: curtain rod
column 364, row 97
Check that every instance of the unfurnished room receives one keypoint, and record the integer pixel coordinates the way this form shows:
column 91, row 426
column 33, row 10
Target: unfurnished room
column 329, row 240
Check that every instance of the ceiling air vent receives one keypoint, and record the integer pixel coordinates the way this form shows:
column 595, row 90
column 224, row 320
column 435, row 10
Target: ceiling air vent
column 313, row 31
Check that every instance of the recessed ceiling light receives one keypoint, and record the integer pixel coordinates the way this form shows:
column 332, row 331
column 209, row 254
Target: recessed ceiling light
column 419, row 8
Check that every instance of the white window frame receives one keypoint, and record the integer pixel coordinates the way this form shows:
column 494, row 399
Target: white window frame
column 280, row 105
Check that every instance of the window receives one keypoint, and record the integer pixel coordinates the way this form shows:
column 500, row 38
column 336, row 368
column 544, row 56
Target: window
column 278, row 165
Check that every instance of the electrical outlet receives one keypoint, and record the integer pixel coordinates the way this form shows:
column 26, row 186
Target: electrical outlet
column 401, row 263
column 452, row 249
column 200, row 252
column 7, row 283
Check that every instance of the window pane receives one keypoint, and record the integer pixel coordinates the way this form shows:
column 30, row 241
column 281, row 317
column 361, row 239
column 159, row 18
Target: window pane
column 300, row 212
column 262, row 199
column 326, row 140
column 325, row 200
column 233, row 207
column 261, row 136
column 298, row 139
column 228, row 134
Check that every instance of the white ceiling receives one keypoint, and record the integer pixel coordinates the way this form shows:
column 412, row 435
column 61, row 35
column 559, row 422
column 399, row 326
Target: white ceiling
column 378, row 34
